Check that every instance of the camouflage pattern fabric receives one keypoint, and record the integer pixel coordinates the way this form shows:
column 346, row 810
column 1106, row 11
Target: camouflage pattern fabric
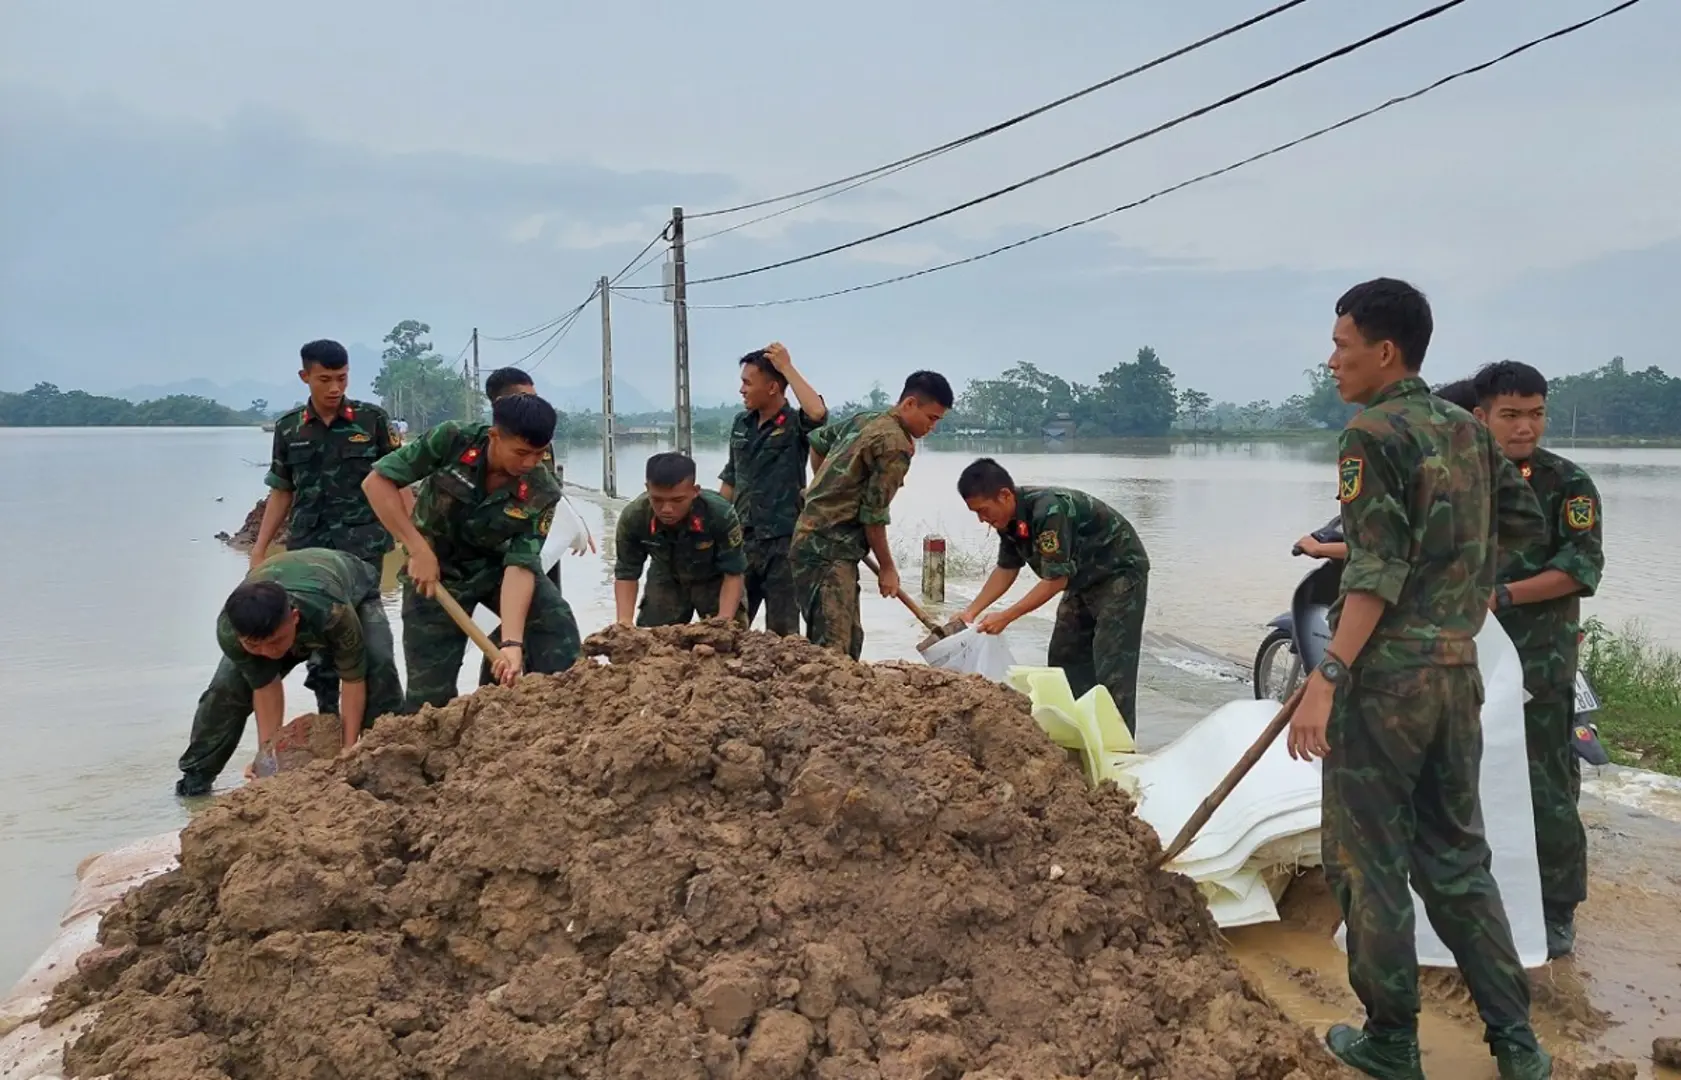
column 1098, row 638
column 666, row 602
column 1545, row 634
column 770, row 584
column 864, row 463
column 766, row 469
column 323, row 467
column 830, row 609
column 433, row 646
column 702, row 548
column 339, row 613
column 1425, row 506
column 1401, row 800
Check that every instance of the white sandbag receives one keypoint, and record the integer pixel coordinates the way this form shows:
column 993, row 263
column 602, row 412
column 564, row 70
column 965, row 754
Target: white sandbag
column 974, row 653
column 566, row 533
column 1508, row 815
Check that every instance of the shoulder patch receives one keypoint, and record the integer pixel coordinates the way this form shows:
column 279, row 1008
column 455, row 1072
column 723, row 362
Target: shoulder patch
column 359, row 437
column 519, row 513
column 1049, row 543
column 737, row 539
column 1580, row 512
column 545, row 522
column 1351, row 475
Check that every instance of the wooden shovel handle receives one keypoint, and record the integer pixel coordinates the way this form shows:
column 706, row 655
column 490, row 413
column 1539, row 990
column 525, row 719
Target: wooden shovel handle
column 466, row 623
column 915, row 608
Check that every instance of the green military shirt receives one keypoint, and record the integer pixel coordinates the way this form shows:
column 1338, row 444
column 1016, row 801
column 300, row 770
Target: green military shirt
column 865, row 461
column 1061, row 533
column 474, row 531
column 554, row 466
column 326, row 587
column 766, row 469
column 323, row 466
column 1545, row 633
column 1426, row 507
column 704, row 546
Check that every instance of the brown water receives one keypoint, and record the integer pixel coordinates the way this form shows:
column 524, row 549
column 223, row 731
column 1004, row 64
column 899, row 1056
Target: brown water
column 111, row 580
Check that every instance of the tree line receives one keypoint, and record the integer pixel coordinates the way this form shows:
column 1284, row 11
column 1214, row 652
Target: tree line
column 45, row 405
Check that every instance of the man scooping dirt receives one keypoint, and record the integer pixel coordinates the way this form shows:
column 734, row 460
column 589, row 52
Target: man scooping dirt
column 478, row 530
column 295, row 605
column 859, row 464
column 694, row 541
column 1085, row 550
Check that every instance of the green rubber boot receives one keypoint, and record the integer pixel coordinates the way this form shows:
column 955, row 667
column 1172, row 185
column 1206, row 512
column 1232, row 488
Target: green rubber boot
column 1521, row 1063
column 1386, row 1057
column 1561, row 936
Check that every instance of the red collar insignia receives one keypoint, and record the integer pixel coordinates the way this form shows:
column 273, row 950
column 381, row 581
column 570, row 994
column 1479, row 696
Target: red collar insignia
column 471, row 456
column 653, row 525
column 522, row 491
column 781, row 418
column 1021, row 529
column 347, row 412
column 1526, row 470
column 695, row 524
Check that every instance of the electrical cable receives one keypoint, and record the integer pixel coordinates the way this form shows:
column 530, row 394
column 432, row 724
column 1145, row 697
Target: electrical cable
column 1280, row 148
column 1229, row 99
column 861, row 178
column 562, row 325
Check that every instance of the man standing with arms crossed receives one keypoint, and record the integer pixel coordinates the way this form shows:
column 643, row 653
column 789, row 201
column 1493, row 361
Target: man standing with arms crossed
column 860, row 464
column 1542, row 612
column 1395, row 707
column 765, row 477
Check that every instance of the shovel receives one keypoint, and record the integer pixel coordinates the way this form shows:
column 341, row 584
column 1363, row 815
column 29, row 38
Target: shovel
column 465, row 622
column 936, row 632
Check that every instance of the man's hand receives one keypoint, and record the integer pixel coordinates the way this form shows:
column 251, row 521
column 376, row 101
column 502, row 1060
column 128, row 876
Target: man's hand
column 1311, row 546
column 1312, row 719
column 993, row 623
column 889, row 581
column 777, row 354
column 250, row 772
column 259, row 555
column 423, row 570
column 509, row 664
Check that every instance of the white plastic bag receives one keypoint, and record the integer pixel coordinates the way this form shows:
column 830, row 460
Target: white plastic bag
column 567, row 533
column 973, row 653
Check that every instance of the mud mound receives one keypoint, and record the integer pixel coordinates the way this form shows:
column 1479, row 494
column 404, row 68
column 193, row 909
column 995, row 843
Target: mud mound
column 247, row 534
column 721, row 855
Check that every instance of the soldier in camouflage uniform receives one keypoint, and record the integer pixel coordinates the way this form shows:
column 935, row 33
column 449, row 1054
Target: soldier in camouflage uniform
column 1079, row 547
column 694, row 540
column 297, row 604
column 1395, row 706
column 322, row 450
column 858, row 466
column 478, row 530
column 1540, row 607
column 765, row 477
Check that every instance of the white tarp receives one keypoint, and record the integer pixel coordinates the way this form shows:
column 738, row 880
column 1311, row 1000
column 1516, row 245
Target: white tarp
column 567, row 533
column 974, row 653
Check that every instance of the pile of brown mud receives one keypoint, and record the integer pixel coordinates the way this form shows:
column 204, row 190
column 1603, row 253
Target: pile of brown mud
column 719, row 855
column 247, row 534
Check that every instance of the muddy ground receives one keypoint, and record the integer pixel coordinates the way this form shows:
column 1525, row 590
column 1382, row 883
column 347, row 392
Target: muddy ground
column 247, row 534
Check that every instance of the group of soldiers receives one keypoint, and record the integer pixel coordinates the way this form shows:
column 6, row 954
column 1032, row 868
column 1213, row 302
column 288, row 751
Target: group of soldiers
column 1450, row 509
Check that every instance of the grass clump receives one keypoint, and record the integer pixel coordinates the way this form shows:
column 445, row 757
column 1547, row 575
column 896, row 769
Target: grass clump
column 1639, row 688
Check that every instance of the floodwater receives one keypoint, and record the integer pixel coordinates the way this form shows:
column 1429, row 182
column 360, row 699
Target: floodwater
column 111, row 580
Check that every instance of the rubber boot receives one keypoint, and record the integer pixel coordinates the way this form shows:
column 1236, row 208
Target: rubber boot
column 1561, row 932
column 192, row 786
column 1386, row 1057
column 1522, row 1063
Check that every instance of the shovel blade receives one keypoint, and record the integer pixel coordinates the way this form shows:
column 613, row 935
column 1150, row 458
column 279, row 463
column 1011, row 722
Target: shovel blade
column 951, row 627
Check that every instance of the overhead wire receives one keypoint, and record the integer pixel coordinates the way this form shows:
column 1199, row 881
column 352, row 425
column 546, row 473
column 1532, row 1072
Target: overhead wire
column 1229, row 99
column 562, row 326
column 860, row 178
column 1234, row 166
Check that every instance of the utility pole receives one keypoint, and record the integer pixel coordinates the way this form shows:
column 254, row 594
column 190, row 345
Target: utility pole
column 476, row 383
column 680, row 326
column 467, row 394
column 609, row 475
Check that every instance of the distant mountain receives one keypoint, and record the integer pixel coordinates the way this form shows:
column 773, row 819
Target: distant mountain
column 586, row 397
column 237, row 394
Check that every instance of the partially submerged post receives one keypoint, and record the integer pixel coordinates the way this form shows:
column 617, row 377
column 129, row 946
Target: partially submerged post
column 934, row 569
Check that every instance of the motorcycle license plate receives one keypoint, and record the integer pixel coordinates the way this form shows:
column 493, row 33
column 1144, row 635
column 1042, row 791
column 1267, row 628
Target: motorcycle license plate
column 1586, row 699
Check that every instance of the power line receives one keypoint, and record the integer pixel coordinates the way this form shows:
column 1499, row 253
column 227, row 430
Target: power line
column 563, row 325
column 1282, row 147
column 880, row 171
column 1229, row 99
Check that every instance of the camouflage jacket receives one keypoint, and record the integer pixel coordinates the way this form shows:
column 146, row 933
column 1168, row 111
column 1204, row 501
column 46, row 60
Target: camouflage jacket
column 474, row 531
column 1062, row 533
column 554, row 466
column 1545, row 633
column 323, row 467
column 705, row 546
column 864, row 462
column 1426, row 507
column 766, row 469
column 326, row 588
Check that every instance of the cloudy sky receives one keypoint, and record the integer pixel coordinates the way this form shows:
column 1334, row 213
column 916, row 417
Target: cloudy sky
column 190, row 188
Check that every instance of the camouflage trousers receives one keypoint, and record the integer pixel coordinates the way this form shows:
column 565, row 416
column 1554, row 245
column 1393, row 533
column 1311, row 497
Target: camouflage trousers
column 1401, row 801
column 434, row 647
column 1098, row 637
column 1555, row 783
column 225, row 706
column 770, row 584
column 667, row 602
column 828, row 598
column 319, row 676
column 486, row 676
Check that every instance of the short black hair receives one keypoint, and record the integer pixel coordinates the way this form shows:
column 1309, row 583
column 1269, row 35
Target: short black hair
column 1461, row 392
column 325, row 353
column 1388, row 309
column 670, row 469
column 502, row 378
column 255, row 609
column 1508, row 377
column 928, row 387
column 983, row 478
column 525, row 416
column 760, row 359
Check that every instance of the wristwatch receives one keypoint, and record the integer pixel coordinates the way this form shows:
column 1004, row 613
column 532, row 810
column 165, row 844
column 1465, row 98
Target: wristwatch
column 1502, row 598
column 1334, row 670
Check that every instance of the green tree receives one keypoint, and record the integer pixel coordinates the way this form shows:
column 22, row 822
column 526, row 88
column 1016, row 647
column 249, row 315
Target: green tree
column 1194, row 405
column 416, row 384
column 45, row 405
column 1323, row 405
column 1135, row 399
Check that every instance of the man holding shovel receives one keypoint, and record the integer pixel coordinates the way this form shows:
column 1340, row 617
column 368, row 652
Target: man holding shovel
column 297, row 604
column 695, row 542
column 858, row 464
column 1081, row 548
column 477, row 534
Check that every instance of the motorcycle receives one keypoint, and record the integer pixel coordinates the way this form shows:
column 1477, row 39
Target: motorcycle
column 1296, row 641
